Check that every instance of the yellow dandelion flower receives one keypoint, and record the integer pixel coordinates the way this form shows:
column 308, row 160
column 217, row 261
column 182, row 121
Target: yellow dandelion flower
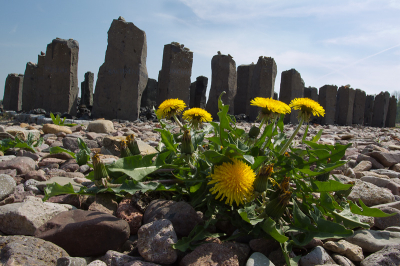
column 233, row 181
column 170, row 107
column 197, row 116
column 307, row 107
column 270, row 108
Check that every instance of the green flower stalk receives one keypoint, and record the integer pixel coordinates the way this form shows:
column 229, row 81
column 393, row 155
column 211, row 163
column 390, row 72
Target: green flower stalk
column 132, row 144
column 100, row 172
column 279, row 199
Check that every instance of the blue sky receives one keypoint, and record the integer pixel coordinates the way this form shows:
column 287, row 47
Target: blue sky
column 328, row 42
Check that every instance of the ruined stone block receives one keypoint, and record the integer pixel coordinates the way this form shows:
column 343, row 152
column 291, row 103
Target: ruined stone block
column 391, row 115
column 224, row 78
column 12, row 99
column 275, row 96
column 262, row 83
column 87, row 89
column 369, row 110
column 29, row 87
column 381, row 106
column 123, row 76
column 175, row 73
column 201, row 89
column 60, row 72
column 242, row 98
column 327, row 99
column 42, row 82
column 344, row 106
column 359, row 107
column 149, row 96
column 311, row 93
column 292, row 86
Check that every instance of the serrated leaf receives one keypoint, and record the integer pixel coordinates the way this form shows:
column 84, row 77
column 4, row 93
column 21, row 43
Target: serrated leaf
column 349, row 219
column 269, row 226
column 58, row 149
column 329, row 186
column 367, row 211
column 135, row 166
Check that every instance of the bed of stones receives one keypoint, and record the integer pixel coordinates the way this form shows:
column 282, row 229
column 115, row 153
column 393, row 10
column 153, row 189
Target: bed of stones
column 88, row 230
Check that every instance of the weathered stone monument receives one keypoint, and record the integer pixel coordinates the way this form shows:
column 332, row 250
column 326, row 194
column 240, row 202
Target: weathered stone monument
column 198, row 91
column 292, row 86
column 262, row 83
column 41, row 82
column 242, row 98
column 175, row 73
column 391, row 115
column 224, row 78
column 149, row 96
column 311, row 93
column 123, row 76
column 369, row 110
column 359, row 107
column 344, row 106
column 381, row 106
column 12, row 99
column 327, row 99
column 87, row 89
column 60, row 83
column 30, row 88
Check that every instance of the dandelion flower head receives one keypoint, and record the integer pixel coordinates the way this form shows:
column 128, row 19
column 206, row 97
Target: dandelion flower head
column 270, row 108
column 170, row 107
column 233, row 181
column 197, row 116
column 307, row 107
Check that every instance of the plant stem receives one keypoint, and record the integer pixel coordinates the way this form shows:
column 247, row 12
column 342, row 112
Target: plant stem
column 270, row 137
column 284, row 148
column 177, row 121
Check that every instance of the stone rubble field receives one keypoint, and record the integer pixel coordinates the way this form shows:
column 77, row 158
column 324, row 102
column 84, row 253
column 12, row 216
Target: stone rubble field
column 88, row 230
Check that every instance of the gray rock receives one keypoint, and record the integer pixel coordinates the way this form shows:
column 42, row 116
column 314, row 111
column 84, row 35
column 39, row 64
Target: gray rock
column 155, row 240
column 23, row 165
column 77, row 230
column 387, row 159
column 258, row 259
column 210, row 254
column 345, row 248
column 372, row 241
column 388, row 256
column 115, row 258
column 12, row 99
column 375, row 163
column 7, row 185
column 389, row 173
column 292, row 86
column 363, row 166
column 61, row 180
column 97, row 263
column 384, row 222
column 72, row 143
column 316, row 257
column 370, row 194
column 181, row 214
column 27, row 250
column 24, row 218
column 385, row 183
column 71, row 261
column 342, row 260
column 101, row 126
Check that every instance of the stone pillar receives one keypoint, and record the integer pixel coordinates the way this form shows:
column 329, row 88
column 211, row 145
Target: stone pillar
column 344, row 106
column 262, row 83
column 311, row 93
column 224, row 78
column 242, row 98
column 327, row 99
column 87, row 89
column 381, row 106
column 201, row 89
column 275, row 96
column 60, row 71
column 391, row 115
column 292, row 86
column 192, row 94
column 123, row 76
column 174, row 76
column 12, row 100
column 369, row 110
column 30, row 87
column 149, row 96
column 359, row 107
column 42, row 82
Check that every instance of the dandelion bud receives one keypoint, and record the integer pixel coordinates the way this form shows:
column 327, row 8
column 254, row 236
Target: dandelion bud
column 261, row 182
column 100, row 171
column 187, row 145
column 132, row 145
column 254, row 132
column 125, row 152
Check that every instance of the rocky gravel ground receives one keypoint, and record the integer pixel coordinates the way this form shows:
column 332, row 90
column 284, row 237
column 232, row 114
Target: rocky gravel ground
column 72, row 230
